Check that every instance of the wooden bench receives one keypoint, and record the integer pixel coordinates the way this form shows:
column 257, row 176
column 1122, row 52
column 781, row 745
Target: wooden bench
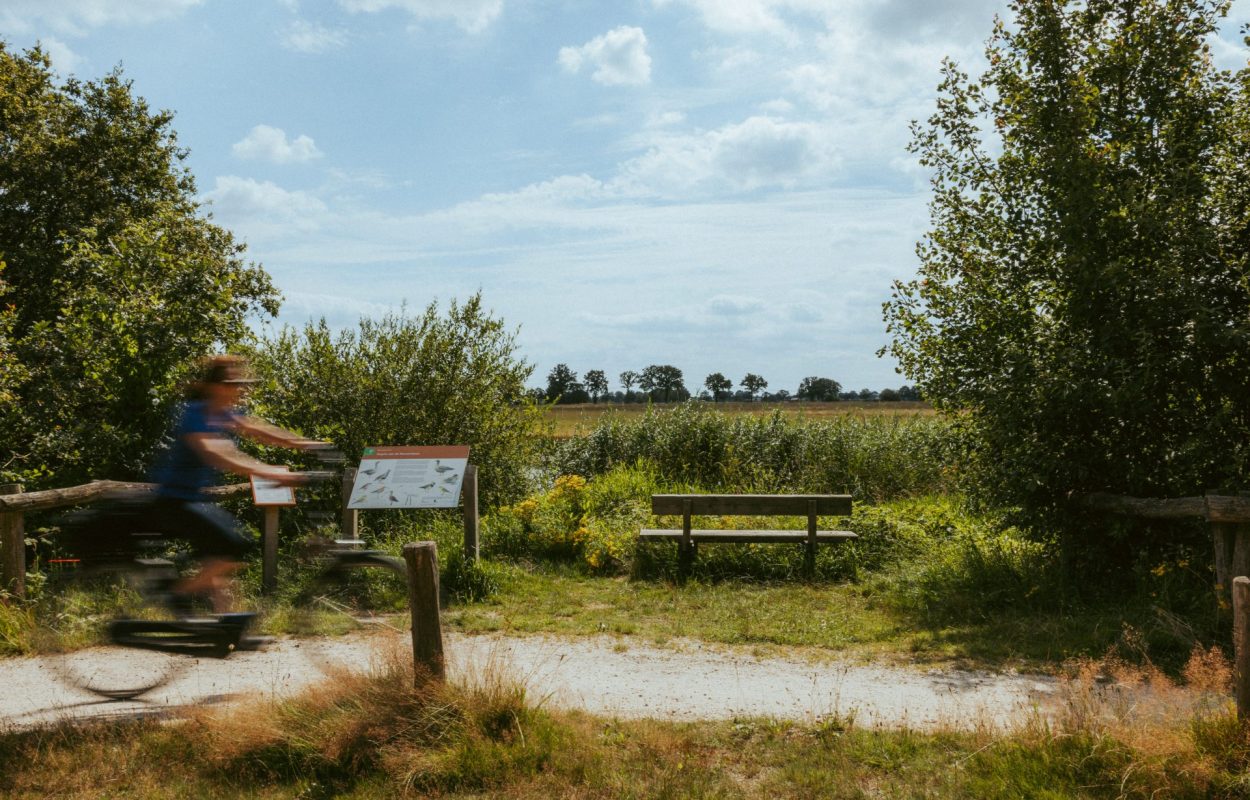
column 799, row 505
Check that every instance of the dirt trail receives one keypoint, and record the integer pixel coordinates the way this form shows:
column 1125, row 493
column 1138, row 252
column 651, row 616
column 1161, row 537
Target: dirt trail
column 609, row 676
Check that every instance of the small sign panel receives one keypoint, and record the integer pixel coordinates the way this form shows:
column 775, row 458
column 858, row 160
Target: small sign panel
column 271, row 493
column 410, row 477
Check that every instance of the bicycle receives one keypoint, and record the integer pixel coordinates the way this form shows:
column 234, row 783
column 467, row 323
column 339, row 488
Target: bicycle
column 120, row 590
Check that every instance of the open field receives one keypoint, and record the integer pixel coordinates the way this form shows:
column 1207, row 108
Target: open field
column 571, row 420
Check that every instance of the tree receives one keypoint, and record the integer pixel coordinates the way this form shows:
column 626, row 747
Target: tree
column 663, row 379
column 1082, row 291
column 718, row 385
column 819, row 389
column 628, row 378
column 560, row 382
column 596, row 384
column 117, row 281
column 433, row 378
column 753, row 384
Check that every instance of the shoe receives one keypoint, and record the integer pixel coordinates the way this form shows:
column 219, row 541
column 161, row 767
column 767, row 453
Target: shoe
column 254, row 642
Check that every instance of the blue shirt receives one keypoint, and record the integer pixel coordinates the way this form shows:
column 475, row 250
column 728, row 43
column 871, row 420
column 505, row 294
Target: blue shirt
column 180, row 472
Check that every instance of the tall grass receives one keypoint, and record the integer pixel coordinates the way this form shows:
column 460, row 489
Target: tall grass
column 1137, row 735
column 873, row 458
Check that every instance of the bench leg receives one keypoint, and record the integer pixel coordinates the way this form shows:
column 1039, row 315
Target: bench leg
column 809, row 560
column 685, row 559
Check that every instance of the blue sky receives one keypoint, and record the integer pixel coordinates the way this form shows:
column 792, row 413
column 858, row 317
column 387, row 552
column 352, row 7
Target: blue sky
column 721, row 185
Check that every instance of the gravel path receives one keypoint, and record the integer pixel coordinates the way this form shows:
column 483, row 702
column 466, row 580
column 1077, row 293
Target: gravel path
column 609, row 676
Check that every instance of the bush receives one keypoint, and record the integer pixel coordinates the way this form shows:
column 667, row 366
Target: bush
column 429, row 379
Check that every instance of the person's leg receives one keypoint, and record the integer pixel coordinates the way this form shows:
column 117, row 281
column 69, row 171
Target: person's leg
column 215, row 535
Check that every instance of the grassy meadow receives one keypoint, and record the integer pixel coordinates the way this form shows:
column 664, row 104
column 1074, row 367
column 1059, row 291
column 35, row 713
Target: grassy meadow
column 575, row 419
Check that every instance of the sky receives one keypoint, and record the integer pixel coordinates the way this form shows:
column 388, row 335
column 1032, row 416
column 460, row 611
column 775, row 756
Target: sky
column 720, row 185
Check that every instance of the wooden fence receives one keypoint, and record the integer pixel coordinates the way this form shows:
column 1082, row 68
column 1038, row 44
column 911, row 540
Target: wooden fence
column 15, row 504
column 1228, row 518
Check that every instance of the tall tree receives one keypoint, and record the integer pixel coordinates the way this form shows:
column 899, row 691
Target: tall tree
column 628, row 379
column 117, row 280
column 596, row 384
column 717, row 384
column 753, row 384
column 1082, row 292
column 819, row 389
column 665, row 380
column 560, row 381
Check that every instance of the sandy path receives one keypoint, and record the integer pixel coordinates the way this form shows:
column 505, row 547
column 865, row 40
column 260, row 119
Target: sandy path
column 615, row 677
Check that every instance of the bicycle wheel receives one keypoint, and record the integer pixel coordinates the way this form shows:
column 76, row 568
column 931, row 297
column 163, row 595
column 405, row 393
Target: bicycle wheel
column 79, row 611
column 353, row 610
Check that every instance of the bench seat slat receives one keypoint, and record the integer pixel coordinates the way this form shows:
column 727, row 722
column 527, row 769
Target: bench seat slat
column 751, row 504
column 746, row 536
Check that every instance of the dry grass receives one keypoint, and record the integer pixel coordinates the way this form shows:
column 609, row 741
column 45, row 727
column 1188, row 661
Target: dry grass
column 576, row 419
column 1122, row 731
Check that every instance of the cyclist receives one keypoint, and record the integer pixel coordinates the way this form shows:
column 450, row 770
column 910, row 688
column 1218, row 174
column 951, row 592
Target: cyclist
column 201, row 449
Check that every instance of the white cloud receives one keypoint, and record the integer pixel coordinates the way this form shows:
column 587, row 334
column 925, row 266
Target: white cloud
column 310, row 37
column 64, row 59
column 619, row 57
column 756, row 153
column 78, row 16
column 724, row 305
column 268, row 143
column 779, row 105
column 473, row 16
column 665, row 119
column 758, row 16
column 236, row 198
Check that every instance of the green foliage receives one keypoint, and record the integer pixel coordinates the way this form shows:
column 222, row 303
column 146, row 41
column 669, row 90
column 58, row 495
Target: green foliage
column 115, row 280
column 872, row 458
column 1081, row 299
column 431, row 379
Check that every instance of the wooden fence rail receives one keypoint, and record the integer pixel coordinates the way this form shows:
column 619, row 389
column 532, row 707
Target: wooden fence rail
column 1227, row 517
column 15, row 504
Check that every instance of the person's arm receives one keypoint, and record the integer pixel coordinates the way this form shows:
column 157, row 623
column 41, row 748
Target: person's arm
column 260, row 431
column 220, row 453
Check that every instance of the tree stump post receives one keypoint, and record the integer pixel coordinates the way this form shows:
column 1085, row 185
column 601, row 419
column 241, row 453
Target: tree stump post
column 427, row 630
column 12, row 547
column 351, row 518
column 468, row 496
column 1241, row 644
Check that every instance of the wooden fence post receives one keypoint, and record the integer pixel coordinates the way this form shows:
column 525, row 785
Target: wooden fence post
column 468, row 495
column 269, row 551
column 12, row 547
column 427, row 630
column 1241, row 643
column 349, row 528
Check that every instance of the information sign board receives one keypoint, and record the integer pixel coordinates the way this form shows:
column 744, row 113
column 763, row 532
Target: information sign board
column 271, row 493
column 409, row 477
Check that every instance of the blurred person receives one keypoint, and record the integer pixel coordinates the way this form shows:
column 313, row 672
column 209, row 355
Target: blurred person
column 201, row 449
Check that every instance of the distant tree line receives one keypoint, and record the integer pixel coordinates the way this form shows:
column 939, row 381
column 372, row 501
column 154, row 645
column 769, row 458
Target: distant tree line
column 664, row 383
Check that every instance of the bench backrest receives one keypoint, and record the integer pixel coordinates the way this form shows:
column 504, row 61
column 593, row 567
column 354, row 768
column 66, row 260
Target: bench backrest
column 751, row 504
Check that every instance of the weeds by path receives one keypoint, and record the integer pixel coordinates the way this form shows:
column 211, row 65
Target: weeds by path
column 376, row 737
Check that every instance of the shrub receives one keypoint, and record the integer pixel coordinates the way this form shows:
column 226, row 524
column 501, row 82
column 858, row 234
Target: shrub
column 434, row 378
